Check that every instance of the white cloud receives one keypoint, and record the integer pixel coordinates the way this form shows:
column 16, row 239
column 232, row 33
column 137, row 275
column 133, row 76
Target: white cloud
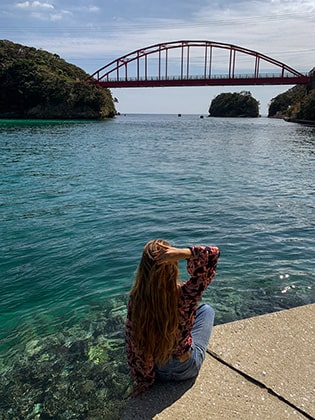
column 56, row 16
column 38, row 4
column 41, row 11
column 24, row 5
column 256, row 10
column 94, row 9
column 34, row 5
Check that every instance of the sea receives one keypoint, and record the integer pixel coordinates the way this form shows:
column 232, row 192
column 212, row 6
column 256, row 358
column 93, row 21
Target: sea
column 79, row 200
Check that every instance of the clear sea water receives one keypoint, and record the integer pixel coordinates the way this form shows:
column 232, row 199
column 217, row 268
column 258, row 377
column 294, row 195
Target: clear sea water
column 78, row 200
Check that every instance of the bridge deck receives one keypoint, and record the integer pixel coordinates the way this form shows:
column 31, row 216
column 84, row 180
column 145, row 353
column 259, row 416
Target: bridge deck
column 217, row 81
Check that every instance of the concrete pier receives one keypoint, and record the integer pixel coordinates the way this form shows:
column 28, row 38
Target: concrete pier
column 261, row 367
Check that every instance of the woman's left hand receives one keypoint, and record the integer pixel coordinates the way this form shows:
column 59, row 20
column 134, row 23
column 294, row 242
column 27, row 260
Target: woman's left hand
column 169, row 254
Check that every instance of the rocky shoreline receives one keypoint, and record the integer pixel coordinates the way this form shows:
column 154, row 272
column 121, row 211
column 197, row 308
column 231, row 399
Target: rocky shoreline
column 304, row 122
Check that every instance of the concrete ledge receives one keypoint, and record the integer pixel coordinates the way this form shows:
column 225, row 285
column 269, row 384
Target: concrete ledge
column 261, row 367
column 276, row 350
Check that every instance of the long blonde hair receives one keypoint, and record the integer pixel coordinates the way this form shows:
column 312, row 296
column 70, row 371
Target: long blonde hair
column 155, row 298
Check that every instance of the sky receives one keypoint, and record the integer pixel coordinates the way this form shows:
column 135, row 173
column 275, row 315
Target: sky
column 92, row 33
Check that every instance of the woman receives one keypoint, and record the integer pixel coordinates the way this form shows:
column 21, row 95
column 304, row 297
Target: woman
column 166, row 335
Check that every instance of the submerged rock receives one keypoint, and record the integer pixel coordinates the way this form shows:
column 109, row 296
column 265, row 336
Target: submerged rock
column 81, row 373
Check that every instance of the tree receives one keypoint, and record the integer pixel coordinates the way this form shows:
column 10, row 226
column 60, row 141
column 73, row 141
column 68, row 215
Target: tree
column 307, row 108
column 283, row 104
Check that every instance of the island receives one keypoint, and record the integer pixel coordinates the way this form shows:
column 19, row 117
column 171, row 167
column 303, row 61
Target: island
column 36, row 84
column 234, row 105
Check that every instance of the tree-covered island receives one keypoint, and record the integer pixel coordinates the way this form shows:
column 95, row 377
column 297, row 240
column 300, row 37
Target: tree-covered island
column 39, row 85
column 234, row 105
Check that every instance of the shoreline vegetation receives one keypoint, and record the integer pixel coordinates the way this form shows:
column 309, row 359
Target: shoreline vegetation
column 296, row 104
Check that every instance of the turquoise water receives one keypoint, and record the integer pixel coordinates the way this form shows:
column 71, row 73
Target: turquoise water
column 78, row 200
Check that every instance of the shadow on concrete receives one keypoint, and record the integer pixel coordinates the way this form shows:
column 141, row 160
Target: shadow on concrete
column 160, row 396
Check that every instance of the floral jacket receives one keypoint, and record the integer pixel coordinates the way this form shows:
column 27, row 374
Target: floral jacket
column 201, row 266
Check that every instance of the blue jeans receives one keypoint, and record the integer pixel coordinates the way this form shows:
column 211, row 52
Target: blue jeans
column 174, row 369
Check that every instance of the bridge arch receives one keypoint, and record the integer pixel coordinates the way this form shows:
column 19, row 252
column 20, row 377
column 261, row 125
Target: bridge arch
column 195, row 63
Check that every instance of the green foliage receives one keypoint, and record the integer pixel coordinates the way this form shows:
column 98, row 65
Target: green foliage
column 297, row 103
column 283, row 104
column 37, row 84
column 307, row 109
column 234, row 105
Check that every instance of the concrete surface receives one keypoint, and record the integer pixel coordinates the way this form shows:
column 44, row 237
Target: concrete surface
column 261, row 367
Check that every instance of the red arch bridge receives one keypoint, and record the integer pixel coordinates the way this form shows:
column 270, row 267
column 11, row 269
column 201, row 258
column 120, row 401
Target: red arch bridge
column 195, row 63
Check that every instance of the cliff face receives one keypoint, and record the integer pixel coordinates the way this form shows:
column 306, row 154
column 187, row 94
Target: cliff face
column 37, row 84
column 297, row 103
column 234, row 105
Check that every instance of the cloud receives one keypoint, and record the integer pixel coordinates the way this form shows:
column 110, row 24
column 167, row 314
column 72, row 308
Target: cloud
column 41, row 10
column 24, row 5
column 256, row 10
column 38, row 4
column 37, row 10
column 34, row 5
column 56, row 16
column 94, row 9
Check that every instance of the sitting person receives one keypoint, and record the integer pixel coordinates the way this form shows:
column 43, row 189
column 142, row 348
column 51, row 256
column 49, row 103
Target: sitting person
column 166, row 333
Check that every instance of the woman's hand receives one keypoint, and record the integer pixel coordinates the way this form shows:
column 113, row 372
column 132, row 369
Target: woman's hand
column 169, row 254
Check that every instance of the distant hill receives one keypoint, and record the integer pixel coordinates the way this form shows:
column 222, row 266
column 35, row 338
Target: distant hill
column 37, row 84
column 296, row 104
column 234, row 105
